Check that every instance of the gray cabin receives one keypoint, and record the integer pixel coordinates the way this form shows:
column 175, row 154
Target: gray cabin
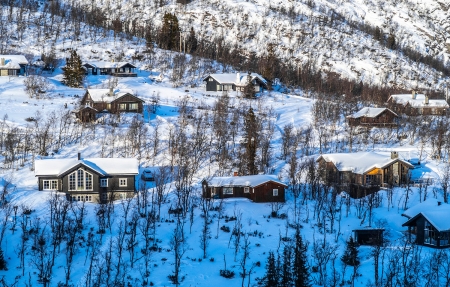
column 235, row 82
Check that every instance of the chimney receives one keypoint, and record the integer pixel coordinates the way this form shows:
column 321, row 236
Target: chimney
column 2, row 61
column 111, row 92
column 426, row 100
column 238, row 78
column 235, row 173
column 414, row 95
column 79, row 156
column 394, row 154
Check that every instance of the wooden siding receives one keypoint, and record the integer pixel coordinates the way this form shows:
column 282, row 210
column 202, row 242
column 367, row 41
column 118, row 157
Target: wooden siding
column 386, row 118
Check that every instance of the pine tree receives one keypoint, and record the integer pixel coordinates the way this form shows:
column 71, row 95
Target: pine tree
column 350, row 256
column 287, row 279
column 271, row 278
column 249, row 90
column 169, row 35
column 2, row 261
column 250, row 143
column 390, row 42
column 73, row 72
column 301, row 269
column 191, row 44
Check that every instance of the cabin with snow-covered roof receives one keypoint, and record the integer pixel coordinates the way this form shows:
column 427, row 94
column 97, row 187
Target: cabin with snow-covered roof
column 428, row 222
column 95, row 101
column 363, row 173
column 88, row 179
column 117, row 69
column 417, row 104
column 235, row 82
column 373, row 117
column 258, row 188
column 13, row 65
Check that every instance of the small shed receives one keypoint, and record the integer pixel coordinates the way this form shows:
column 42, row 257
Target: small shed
column 368, row 236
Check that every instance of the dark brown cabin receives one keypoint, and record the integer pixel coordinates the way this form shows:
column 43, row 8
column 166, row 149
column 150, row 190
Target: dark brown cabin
column 373, row 117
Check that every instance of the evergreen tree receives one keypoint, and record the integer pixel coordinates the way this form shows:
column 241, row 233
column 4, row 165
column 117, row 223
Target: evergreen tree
column 2, row 261
column 391, row 43
column 301, row 269
column 191, row 44
column 377, row 35
column 271, row 278
column 287, row 268
column 250, row 143
column 249, row 90
column 350, row 256
column 73, row 72
column 169, row 35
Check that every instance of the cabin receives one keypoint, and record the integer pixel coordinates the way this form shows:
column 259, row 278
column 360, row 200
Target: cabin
column 428, row 223
column 417, row 104
column 363, row 173
column 96, row 101
column 117, row 69
column 13, row 65
column 235, row 82
column 88, row 179
column 258, row 188
column 368, row 236
column 373, row 117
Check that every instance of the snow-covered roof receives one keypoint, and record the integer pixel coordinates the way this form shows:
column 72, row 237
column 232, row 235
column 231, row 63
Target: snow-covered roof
column 360, row 162
column 435, row 213
column 248, row 180
column 107, row 65
column 418, row 101
column 369, row 112
column 103, row 95
column 104, row 166
column 13, row 61
column 236, row 78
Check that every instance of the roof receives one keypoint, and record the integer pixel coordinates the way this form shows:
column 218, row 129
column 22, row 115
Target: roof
column 360, row 162
column 370, row 112
column 248, row 180
column 13, row 61
column 107, row 65
column 103, row 166
column 102, row 95
column 419, row 101
column 437, row 215
column 236, row 78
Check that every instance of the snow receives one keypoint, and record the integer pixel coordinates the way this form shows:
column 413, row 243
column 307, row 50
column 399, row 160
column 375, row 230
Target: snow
column 360, row 162
column 249, row 180
column 369, row 112
column 13, row 61
column 232, row 78
column 418, row 101
column 104, row 166
column 103, row 95
column 106, row 65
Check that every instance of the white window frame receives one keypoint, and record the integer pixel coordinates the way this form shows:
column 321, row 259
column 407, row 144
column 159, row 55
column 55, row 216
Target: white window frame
column 247, row 189
column 227, row 190
column 52, row 184
column 275, row 192
column 103, row 182
column 83, row 182
column 122, row 182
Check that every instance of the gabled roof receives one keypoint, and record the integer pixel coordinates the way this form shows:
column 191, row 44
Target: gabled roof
column 103, row 95
column 248, row 180
column 13, row 61
column 418, row 102
column 360, row 162
column 437, row 215
column 103, row 166
column 238, row 79
column 370, row 112
column 107, row 65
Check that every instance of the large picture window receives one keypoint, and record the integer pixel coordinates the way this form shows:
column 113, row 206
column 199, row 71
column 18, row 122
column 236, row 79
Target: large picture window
column 133, row 106
column 227, row 190
column 80, row 180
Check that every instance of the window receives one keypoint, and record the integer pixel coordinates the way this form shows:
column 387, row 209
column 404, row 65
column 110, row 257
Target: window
column 133, row 106
column 108, row 106
column 122, row 182
column 123, row 195
column 12, row 73
column 80, row 180
column 122, row 106
column 219, row 87
column 103, row 196
column 431, row 234
column 210, row 79
column 275, row 192
column 227, row 190
column 50, row 184
column 246, row 189
column 103, row 182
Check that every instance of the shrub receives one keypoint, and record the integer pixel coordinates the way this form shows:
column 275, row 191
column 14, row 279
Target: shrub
column 227, row 273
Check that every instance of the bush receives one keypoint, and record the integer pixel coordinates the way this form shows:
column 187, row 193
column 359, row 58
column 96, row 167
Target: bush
column 225, row 228
column 227, row 273
column 36, row 86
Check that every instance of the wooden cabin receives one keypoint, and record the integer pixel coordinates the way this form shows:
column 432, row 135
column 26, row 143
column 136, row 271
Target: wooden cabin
column 417, row 104
column 373, row 117
column 363, row 173
column 235, row 82
column 258, row 188
column 117, row 69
